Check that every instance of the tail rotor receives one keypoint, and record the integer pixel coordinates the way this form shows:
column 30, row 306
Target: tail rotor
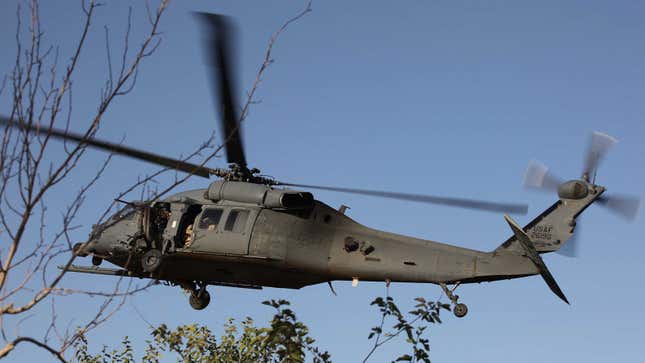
column 624, row 206
column 598, row 148
column 539, row 177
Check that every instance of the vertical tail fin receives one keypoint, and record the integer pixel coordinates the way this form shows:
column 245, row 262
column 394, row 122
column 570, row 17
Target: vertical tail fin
column 525, row 241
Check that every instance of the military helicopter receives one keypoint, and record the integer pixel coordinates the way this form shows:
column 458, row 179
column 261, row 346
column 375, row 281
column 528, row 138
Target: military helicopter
column 247, row 230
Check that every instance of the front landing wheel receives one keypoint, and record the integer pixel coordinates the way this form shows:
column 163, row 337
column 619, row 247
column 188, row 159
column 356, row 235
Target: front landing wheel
column 151, row 260
column 460, row 310
column 199, row 300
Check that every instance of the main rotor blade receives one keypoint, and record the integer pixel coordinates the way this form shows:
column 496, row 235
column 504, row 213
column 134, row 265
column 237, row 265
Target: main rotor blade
column 624, row 206
column 453, row 202
column 537, row 176
column 115, row 148
column 598, row 147
column 219, row 35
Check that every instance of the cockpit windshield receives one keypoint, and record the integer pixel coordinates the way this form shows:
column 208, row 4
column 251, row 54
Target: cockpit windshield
column 128, row 212
column 125, row 213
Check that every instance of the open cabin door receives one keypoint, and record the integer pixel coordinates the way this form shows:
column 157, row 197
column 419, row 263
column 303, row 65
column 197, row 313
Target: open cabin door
column 223, row 230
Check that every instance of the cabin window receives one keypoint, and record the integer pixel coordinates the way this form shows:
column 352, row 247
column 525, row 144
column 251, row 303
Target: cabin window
column 236, row 220
column 210, row 219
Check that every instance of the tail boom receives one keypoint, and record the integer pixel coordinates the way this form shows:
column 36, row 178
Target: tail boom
column 552, row 228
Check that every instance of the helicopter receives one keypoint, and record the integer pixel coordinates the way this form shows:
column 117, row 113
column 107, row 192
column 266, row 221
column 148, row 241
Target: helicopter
column 248, row 230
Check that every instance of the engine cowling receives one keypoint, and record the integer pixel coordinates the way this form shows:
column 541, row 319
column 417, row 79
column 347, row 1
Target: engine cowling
column 259, row 194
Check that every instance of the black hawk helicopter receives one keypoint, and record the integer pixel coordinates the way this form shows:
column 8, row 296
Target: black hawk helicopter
column 246, row 230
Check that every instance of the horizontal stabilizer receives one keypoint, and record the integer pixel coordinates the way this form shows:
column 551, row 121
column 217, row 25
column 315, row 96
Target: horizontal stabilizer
column 526, row 243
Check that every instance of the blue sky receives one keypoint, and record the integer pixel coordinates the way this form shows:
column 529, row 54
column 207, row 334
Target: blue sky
column 446, row 97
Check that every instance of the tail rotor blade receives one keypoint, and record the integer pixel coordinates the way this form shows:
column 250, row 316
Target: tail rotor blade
column 624, row 206
column 454, row 202
column 537, row 176
column 598, row 148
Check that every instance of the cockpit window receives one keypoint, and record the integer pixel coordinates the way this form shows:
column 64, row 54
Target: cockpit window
column 126, row 213
column 210, row 219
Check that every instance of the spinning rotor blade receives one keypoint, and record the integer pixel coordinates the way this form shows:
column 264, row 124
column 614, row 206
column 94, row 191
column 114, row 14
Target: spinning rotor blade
column 624, row 206
column 115, row 148
column 218, row 44
column 454, row 202
column 598, row 147
column 537, row 176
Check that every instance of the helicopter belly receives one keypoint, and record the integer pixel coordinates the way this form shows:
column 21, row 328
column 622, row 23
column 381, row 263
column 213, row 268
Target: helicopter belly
column 237, row 270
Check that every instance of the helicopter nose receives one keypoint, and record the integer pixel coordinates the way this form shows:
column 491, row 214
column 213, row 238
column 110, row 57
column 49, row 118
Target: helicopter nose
column 98, row 247
column 92, row 247
column 81, row 249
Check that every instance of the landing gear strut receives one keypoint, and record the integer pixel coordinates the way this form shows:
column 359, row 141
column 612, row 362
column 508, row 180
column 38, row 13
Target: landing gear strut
column 460, row 310
column 199, row 297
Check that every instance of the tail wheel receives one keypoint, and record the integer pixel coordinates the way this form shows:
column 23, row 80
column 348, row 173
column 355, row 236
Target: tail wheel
column 199, row 300
column 460, row 310
column 151, row 260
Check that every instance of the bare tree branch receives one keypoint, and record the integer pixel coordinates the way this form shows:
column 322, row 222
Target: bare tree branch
column 40, row 98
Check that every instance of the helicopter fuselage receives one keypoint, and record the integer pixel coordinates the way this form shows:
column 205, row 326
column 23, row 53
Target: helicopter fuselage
column 244, row 244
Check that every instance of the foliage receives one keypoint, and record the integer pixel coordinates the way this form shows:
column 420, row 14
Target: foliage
column 285, row 339
column 414, row 325
column 39, row 223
